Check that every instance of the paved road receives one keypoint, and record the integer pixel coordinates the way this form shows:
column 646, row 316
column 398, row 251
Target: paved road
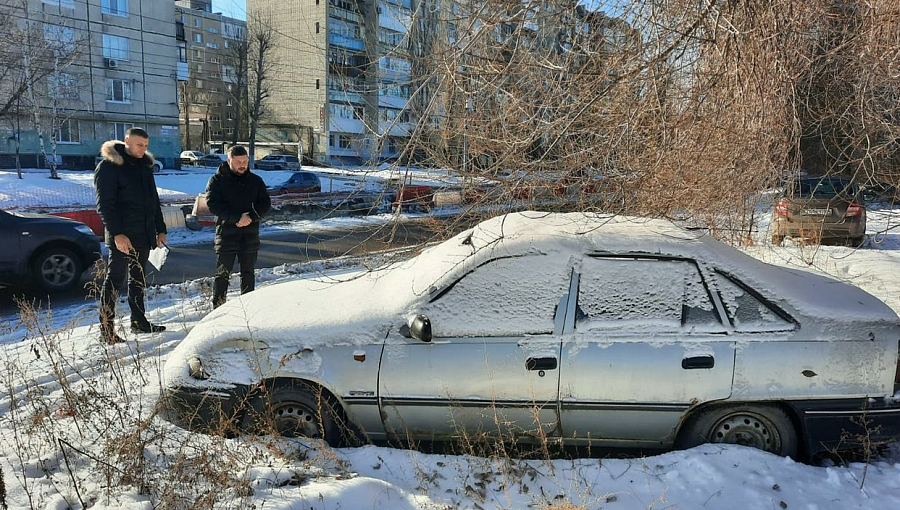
column 196, row 261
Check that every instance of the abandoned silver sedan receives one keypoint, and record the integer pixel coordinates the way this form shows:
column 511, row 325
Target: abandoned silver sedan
column 572, row 328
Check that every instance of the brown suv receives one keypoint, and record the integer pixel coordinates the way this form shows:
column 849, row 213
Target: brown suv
column 819, row 209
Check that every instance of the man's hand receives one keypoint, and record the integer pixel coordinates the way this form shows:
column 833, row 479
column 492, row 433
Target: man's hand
column 161, row 239
column 123, row 244
column 245, row 220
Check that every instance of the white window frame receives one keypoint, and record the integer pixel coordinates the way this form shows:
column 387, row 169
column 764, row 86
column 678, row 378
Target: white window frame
column 198, row 37
column 125, row 126
column 115, row 7
column 69, row 124
column 62, row 3
column 115, row 47
column 127, row 91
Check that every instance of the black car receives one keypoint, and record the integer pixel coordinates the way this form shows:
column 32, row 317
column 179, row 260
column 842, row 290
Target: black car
column 299, row 182
column 45, row 250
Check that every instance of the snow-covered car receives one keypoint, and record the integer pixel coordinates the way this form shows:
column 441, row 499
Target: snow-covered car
column 278, row 162
column 578, row 328
column 190, row 157
column 45, row 250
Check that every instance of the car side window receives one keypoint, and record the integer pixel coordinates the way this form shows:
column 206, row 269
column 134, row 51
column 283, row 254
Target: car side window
column 632, row 296
column 746, row 312
column 510, row 296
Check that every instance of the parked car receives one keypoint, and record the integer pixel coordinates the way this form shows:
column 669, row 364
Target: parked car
column 820, row 209
column 45, row 250
column 191, row 157
column 278, row 162
column 299, row 182
column 213, row 160
column 577, row 328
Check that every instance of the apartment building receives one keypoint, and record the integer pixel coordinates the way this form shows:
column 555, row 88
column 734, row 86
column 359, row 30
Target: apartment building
column 212, row 78
column 343, row 74
column 112, row 67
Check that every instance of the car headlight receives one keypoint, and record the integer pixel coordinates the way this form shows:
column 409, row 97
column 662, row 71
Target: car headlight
column 195, row 369
column 84, row 229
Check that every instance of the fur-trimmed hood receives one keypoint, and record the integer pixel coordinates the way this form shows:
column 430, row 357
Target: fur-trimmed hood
column 112, row 151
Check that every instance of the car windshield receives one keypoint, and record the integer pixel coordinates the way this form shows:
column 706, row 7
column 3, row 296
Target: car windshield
column 826, row 188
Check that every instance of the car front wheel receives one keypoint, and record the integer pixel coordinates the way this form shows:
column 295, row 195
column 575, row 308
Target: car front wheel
column 57, row 269
column 766, row 427
column 293, row 409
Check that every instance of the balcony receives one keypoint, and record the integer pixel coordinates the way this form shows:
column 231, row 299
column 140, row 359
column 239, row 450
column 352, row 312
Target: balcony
column 343, row 41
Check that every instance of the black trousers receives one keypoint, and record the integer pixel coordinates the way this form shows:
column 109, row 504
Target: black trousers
column 135, row 265
column 224, row 265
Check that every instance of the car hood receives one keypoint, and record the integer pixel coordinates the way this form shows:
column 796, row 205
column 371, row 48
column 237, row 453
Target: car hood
column 354, row 309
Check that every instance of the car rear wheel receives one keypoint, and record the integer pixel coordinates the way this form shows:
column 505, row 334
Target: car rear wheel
column 293, row 409
column 57, row 269
column 766, row 427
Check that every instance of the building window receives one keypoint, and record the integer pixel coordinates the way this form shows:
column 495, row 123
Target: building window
column 198, row 54
column 115, row 47
column 62, row 86
column 182, row 54
column 227, row 45
column 118, row 91
column 212, row 30
column 317, row 84
column 229, row 103
column 212, row 45
column 198, row 84
column 68, row 132
column 120, row 128
column 60, row 39
column 213, row 60
column 317, row 27
column 199, row 68
column 61, row 3
column 344, row 141
column 197, row 22
column 198, row 37
column 116, row 7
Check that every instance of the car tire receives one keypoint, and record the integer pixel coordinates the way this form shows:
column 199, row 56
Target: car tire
column 763, row 426
column 56, row 269
column 293, row 409
column 157, row 167
column 856, row 242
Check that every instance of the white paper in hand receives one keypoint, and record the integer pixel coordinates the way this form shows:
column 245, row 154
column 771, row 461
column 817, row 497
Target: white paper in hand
column 158, row 256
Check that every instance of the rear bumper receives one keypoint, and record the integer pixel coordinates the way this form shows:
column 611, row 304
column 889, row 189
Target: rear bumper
column 205, row 410
column 830, row 425
column 843, row 230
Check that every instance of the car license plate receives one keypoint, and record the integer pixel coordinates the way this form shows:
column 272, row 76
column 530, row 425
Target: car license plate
column 817, row 212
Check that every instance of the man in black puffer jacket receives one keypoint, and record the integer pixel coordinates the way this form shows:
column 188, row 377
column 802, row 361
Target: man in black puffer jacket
column 129, row 206
column 239, row 198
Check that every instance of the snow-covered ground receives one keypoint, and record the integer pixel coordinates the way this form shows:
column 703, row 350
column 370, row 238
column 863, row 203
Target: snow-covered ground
column 76, row 188
column 78, row 427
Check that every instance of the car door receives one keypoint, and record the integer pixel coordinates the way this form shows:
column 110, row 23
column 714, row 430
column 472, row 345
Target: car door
column 646, row 343
column 10, row 238
column 491, row 367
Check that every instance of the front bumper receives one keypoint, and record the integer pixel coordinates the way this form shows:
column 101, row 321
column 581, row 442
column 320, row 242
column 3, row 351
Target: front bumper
column 212, row 411
column 832, row 425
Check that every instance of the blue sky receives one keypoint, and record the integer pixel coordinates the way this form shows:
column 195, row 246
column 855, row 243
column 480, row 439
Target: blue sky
column 231, row 8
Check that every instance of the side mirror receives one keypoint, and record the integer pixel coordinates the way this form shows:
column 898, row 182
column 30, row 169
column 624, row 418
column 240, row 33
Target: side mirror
column 419, row 327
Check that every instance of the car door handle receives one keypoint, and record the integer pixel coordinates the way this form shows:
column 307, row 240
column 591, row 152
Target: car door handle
column 540, row 364
column 695, row 362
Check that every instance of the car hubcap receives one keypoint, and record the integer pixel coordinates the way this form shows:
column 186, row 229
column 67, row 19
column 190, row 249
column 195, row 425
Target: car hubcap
column 295, row 420
column 747, row 430
column 58, row 270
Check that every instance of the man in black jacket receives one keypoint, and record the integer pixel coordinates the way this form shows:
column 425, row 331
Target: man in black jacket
column 129, row 206
column 239, row 199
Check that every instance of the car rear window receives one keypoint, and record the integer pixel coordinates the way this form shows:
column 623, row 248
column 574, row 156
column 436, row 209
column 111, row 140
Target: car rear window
column 745, row 311
column 825, row 188
column 291, row 159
